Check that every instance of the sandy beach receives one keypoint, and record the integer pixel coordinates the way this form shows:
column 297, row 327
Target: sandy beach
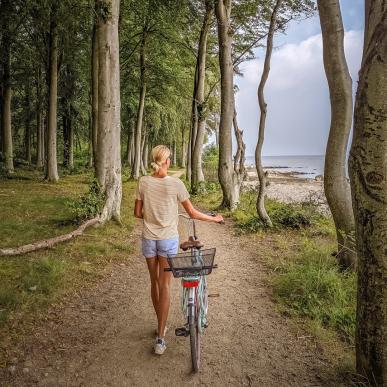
column 288, row 187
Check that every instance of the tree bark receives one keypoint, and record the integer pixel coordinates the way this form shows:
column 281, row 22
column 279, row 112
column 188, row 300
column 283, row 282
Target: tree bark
column 229, row 180
column 145, row 153
column 140, row 111
column 262, row 176
column 368, row 172
column 336, row 186
column 108, row 165
column 239, row 159
column 52, row 164
column 6, row 124
column 39, row 126
column 142, row 155
column 68, row 139
column 27, row 133
column 129, row 143
column 199, row 118
column 183, row 149
column 94, row 91
column 174, row 154
column 47, row 243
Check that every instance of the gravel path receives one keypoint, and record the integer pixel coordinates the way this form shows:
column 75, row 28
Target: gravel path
column 104, row 336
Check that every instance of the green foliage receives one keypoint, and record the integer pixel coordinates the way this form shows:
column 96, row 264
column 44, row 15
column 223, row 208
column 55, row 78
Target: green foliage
column 88, row 205
column 206, row 187
column 210, row 163
column 312, row 286
column 283, row 215
column 104, row 10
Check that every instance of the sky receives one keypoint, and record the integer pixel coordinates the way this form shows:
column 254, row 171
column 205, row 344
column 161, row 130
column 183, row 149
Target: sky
column 296, row 92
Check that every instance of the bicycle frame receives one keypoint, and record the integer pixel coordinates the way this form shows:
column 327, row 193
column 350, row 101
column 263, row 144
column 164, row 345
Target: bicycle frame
column 194, row 296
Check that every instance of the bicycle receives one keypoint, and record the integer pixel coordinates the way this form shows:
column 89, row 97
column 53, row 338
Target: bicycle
column 193, row 265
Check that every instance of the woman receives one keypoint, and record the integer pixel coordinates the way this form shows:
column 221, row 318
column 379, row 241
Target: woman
column 157, row 198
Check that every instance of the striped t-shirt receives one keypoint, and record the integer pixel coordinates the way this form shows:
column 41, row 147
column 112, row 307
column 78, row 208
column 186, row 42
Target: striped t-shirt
column 160, row 197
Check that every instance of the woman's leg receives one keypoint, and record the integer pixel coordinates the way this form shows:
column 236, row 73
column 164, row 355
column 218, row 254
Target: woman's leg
column 164, row 285
column 153, row 267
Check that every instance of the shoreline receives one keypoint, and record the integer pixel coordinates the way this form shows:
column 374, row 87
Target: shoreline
column 290, row 187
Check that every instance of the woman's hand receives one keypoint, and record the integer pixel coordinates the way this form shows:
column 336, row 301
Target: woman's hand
column 218, row 218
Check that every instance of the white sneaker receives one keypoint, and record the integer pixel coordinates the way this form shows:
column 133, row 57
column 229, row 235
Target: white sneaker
column 160, row 346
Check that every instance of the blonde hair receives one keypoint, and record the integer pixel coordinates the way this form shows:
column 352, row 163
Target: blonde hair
column 160, row 154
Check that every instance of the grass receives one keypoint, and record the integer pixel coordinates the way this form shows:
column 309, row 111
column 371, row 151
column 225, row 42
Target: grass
column 305, row 277
column 32, row 210
column 310, row 285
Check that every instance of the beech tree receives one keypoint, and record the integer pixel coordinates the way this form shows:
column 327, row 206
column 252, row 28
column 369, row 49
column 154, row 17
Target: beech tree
column 52, row 163
column 108, row 163
column 198, row 116
column 6, row 92
column 229, row 179
column 262, row 120
column 368, row 173
column 336, row 185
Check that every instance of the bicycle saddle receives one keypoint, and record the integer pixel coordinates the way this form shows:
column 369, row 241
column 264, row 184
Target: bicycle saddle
column 191, row 243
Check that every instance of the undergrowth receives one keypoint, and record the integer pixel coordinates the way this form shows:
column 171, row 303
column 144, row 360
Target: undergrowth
column 306, row 280
column 33, row 210
column 309, row 284
column 88, row 205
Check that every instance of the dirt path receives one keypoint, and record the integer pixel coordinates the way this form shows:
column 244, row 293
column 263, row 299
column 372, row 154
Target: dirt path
column 104, row 336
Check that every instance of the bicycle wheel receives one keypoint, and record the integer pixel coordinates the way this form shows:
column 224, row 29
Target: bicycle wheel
column 194, row 336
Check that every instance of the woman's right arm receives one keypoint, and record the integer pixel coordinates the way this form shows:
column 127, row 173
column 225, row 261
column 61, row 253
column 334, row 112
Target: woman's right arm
column 138, row 209
column 195, row 214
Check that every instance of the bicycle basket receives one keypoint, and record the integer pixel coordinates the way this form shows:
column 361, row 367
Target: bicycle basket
column 194, row 262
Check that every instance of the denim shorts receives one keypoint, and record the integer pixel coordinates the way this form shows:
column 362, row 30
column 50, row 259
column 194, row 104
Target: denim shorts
column 161, row 248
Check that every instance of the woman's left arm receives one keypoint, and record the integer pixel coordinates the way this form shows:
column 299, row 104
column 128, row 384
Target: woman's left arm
column 138, row 209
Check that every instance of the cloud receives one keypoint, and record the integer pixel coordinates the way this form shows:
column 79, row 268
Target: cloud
column 297, row 96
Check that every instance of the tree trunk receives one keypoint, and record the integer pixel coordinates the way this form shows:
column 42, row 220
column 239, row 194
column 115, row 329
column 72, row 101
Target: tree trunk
column 65, row 140
column 183, row 149
column 68, row 139
column 193, row 124
column 129, row 142
column 145, row 153
column 7, row 95
column 367, row 167
column 142, row 167
column 71, row 141
column 7, row 129
column 140, row 111
column 52, row 166
column 262, row 176
column 27, row 133
column 90, row 148
column 108, row 165
column 229, row 180
column 94, row 92
column 199, row 118
column 174, row 154
column 239, row 159
column 39, row 126
column 336, row 186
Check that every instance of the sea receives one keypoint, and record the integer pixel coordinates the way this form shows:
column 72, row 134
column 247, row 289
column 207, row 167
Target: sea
column 307, row 167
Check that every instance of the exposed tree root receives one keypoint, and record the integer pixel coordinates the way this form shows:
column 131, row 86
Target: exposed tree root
column 47, row 243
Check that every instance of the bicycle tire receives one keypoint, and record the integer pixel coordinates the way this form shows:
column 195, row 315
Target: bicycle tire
column 195, row 346
column 194, row 336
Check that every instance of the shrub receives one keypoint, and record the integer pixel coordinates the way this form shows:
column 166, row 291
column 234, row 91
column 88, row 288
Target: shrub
column 283, row 215
column 88, row 205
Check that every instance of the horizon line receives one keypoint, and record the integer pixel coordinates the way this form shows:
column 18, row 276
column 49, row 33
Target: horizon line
column 286, row 155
